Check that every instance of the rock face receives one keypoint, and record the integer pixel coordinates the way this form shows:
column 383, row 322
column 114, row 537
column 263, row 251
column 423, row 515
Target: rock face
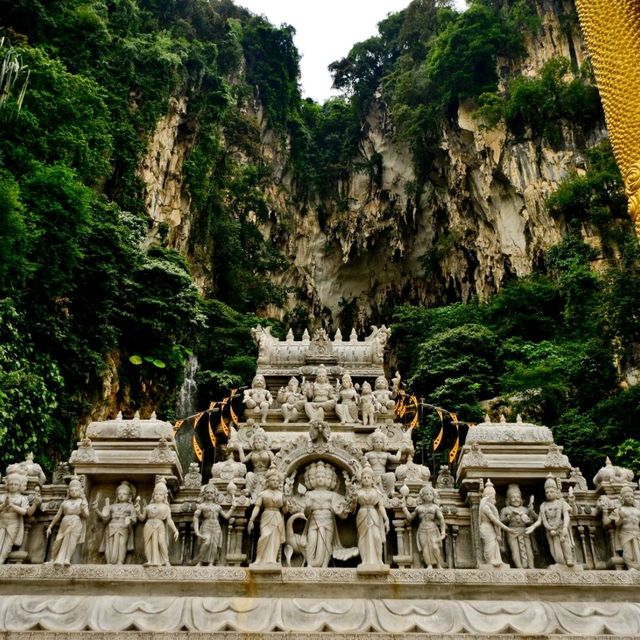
column 479, row 219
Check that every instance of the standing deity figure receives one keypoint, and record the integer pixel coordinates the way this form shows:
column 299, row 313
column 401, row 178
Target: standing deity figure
column 627, row 520
column 320, row 395
column 371, row 520
column 321, row 504
column 369, row 405
column 349, row 401
column 209, row 531
column 555, row 516
column 490, row 525
column 260, row 457
column 518, row 517
column 291, row 401
column 432, row 528
column 120, row 516
column 13, row 509
column 72, row 515
column 378, row 459
column 272, row 534
column 384, row 396
column 381, row 337
column 157, row 526
column 258, row 399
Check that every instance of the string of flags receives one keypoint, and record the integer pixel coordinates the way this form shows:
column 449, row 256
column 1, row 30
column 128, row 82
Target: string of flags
column 228, row 417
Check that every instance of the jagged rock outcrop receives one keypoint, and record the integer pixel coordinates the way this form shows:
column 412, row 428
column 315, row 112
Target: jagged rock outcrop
column 479, row 219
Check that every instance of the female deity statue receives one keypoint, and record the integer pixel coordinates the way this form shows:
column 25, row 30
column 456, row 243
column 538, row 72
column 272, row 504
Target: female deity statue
column 74, row 512
column 517, row 517
column 555, row 517
column 157, row 526
column 272, row 535
column 627, row 520
column 258, row 399
column 349, row 401
column 378, row 459
column 120, row 516
column 321, row 504
column 369, row 405
column 371, row 520
column 432, row 528
column 291, row 400
column 209, row 531
column 12, row 512
column 490, row 525
column 384, row 397
column 260, row 457
column 321, row 396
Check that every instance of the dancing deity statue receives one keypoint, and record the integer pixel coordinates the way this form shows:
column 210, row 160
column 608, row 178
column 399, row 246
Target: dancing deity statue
column 432, row 528
column 272, row 535
column 518, row 517
column 208, row 531
column 159, row 523
column 490, row 525
column 555, row 516
column 120, row 518
column 258, row 399
column 13, row 509
column 72, row 515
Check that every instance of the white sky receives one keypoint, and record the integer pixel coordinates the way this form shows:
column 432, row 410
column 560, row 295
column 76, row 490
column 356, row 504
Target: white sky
column 325, row 31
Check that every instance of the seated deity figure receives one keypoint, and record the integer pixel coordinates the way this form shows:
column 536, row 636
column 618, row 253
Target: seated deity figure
column 291, row 401
column 120, row 518
column 627, row 521
column 321, row 503
column 349, row 401
column 271, row 503
column 490, row 525
column 372, row 521
column 378, row 459
column 13, row 509
column 157, row 526
column 369, row 405
column 432, row 528
column 206, row 524
column 258, row 399
column 260, row 457
column 384, row 397
column 320, row 394
column 555, row 516
column 72, row 515
column 517, row 517
column 229, row 469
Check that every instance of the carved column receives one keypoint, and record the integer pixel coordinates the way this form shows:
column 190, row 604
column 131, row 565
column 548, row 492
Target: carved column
column 404, row 558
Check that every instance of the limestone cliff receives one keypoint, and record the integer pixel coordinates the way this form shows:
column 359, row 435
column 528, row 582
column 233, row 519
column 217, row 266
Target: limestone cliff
column 479, row 219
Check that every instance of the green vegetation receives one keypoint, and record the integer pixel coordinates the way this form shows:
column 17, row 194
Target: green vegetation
column 552, row 346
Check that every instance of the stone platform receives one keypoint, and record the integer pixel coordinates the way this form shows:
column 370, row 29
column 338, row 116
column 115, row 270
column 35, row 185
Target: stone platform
column 231, row 602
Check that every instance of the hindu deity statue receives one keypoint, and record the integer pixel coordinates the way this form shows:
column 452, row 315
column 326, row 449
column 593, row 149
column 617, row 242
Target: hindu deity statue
column 258, row 399
column 120, row 518
column 432, row 528
column 206, row 524
column 371, row 520
column 490, row 526
column 518, row 517
column 12, row 512
column 321, row 396
column 260, row 457
column 291, row 400
column 349, row 401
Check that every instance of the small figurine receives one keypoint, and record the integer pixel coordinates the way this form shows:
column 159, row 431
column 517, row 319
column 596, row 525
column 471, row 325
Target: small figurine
column 369, row 405
column 555, row 517
column 74, row 512
column 209, row 531
column 291, row 401
column 517, row 517
column 272, row 534
column 490, row 525
column 258, row 399
column 349, row 401
column 432, row 528
column 371, row 520
column 120, row 516
column 384, row 397
column 157, row 526
column 12, row 512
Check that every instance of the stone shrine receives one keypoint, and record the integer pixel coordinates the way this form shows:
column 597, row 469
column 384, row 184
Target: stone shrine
column 317, row 523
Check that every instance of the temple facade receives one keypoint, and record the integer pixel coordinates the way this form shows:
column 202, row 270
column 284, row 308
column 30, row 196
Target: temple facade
column 317, row 523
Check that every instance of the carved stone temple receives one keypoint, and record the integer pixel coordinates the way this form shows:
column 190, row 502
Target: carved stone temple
column 317, row 523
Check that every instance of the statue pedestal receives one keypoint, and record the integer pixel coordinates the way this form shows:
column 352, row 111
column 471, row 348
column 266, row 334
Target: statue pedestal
column 372, row 569
column 267, row 567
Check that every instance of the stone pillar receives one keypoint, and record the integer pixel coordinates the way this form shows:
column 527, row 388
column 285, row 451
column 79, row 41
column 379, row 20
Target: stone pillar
column 403, row 530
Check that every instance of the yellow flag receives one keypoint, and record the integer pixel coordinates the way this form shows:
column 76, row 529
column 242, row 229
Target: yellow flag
column 196, row 447
column 176, row 426
column 212, row 435
column 453, row 454
column 438, row 440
